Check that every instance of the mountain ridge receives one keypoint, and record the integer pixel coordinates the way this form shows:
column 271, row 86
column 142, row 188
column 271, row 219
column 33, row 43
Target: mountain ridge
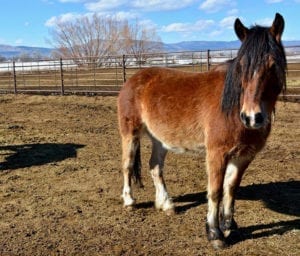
column 9, row 51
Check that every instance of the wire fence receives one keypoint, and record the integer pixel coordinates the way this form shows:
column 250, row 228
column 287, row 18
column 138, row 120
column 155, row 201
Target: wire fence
column 93, row 75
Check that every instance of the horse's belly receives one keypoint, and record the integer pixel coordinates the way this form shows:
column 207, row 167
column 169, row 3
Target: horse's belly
column 178, row 133
column 178, row 141
column 189, row 148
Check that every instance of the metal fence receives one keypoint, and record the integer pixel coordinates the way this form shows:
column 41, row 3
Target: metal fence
column 93, row 75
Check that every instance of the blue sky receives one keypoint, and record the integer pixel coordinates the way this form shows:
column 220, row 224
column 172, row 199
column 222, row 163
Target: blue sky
column 28, row 22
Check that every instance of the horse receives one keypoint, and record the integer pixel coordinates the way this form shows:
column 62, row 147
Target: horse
column 227, row 110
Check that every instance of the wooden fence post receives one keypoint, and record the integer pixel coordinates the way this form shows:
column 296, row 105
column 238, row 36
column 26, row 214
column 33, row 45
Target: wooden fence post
column 15, row 77
column 62, row 77
column 124, row 68
column 208, row 60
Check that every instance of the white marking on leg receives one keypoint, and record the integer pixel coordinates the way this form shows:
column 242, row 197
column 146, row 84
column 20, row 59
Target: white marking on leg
column 127, row 161
column 162, row 200
column 230, row 177
column 127, row 196
column 212, row 212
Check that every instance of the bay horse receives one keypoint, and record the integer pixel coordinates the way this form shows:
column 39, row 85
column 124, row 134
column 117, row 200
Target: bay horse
column 227, row 110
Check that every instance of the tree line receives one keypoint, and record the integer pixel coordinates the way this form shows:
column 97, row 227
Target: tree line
column 97, row 36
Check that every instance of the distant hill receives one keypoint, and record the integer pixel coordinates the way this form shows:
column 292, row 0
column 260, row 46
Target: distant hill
column 201, row 45
column 211, row 45
column 9, row 52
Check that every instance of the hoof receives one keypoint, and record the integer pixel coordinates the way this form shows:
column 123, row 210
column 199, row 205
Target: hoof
column 129, row 208
column 218, row 244
column 234, row 237
column 227, row 233
column 214, row 234
column 166, row 206
column 128, row 201
column 129, row 204
column 228, row 227
column 170, row 212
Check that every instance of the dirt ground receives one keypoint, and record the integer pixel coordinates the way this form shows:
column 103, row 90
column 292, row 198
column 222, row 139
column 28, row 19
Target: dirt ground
column 60, row 187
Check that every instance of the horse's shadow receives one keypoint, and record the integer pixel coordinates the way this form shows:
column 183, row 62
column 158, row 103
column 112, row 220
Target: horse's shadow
column 27, row 155
column 282, row 197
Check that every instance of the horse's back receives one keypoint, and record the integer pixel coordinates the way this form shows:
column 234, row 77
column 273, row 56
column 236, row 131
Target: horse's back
column 155, row 82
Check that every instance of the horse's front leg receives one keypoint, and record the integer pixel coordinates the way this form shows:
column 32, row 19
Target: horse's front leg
column 215, row 170
column 233, row 176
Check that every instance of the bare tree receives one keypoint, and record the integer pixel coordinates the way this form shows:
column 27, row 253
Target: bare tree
column 140, row 40
column 92, row 37
column 96, row 37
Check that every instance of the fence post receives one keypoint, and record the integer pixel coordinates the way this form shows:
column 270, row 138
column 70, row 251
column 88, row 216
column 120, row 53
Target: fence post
column 193, row 62
column 124, row 68
column 15, row 77
column 62, row 77
column 208, row 60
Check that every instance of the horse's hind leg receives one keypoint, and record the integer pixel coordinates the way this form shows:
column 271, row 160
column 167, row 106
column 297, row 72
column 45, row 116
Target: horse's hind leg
column 130, row 145
column 162, row 200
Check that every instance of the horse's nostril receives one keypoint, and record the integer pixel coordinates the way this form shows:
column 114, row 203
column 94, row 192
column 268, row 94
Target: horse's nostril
column 259, row 119
column 243, row 116
column 245, row 119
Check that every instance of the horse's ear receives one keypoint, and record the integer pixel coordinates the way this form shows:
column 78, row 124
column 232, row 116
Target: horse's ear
column 240, row 30
column 277, row 27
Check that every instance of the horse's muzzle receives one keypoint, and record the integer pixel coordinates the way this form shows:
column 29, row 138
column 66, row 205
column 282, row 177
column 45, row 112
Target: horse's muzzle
column 253, row 121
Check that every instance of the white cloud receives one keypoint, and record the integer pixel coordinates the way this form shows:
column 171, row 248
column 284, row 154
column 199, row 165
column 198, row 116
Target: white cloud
column 234, row 12
column 265, row 22
column 227, row 22
column 104, row 5
column 146, row 5
column 19, row 41
column 176, row 27
column 69, row 17
column 203, row 24
column 62, row 18
column 123, row 15
column 158, row 5
column 215, row 5
column 148, row 24
column 199, row 25
column 215, row 33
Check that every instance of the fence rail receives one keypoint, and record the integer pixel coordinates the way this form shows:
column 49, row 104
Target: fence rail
column 94, row 75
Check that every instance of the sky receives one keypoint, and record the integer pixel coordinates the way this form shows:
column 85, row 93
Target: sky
column 29, row 22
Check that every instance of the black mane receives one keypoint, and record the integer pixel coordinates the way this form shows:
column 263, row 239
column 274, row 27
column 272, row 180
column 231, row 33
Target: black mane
column 258, row 46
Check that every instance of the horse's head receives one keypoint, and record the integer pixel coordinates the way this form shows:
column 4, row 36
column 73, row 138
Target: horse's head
column 257, row 74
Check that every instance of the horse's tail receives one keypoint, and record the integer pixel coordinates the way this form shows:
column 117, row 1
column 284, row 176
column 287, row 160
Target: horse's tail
column 137, row 167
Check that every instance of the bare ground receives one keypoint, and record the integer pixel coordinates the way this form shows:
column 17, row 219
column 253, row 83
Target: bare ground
column 60, row 186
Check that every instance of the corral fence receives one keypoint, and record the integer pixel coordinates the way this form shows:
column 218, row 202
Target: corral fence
column 94, row 75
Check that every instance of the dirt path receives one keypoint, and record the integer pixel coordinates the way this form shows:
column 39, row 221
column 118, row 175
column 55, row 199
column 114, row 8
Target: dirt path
column 60, row 186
